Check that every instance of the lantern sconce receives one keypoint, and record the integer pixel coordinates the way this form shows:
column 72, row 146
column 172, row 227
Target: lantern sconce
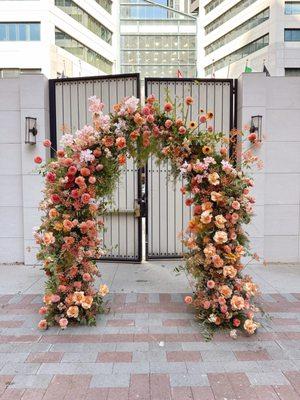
column 30, row 130
column 256, row 126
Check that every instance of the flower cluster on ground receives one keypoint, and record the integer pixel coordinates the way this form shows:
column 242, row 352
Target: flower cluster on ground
column 85, row 172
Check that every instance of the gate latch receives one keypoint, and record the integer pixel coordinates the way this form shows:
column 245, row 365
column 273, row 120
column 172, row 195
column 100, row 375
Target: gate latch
column 137, row 208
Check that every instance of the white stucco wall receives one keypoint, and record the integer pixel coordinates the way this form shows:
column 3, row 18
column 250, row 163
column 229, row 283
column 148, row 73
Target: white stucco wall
column 20, row 193
column 275, row 231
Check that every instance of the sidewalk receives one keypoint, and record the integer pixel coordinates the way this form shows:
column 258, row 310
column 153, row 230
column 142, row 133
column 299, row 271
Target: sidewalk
column 148, row 347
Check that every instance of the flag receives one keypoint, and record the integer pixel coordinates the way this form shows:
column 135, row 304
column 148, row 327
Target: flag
column 179, row 74
column 247, row 69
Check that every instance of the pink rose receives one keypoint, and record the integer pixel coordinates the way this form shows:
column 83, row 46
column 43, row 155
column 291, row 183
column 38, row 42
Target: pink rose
column 168, row 123
column 235, row 205
column 47, row 143
column 63, row 322
column 210, row 284
column 43, row 324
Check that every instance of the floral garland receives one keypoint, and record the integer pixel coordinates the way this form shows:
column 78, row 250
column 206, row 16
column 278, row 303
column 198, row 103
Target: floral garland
column 85, row 172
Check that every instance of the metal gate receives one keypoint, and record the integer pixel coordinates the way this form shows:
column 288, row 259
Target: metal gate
column 161, row 200
column 69, row 110
column 167, row 214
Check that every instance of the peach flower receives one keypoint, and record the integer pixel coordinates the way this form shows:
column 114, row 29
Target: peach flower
column 214, row 178
column 103, row 290
column 68, row 225
column 220, row 237
column 216, row 196
column 250, row 326
column 53, row 213
column 73, row 312
column 78, row 297
column 237, row 302
column 225, row 291
column 209, row 250
column 48, row 238
column 206, row 217
column 220, row 221
column 217, row 261
column 207, row 206
column 230, row 271
column 188, row 299
column 87, row 303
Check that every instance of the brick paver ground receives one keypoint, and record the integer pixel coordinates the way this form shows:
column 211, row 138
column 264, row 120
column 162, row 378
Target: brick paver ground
column 148, row 348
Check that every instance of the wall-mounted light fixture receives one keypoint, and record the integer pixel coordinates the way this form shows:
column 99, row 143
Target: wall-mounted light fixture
column 256, row 126
column 30, row 130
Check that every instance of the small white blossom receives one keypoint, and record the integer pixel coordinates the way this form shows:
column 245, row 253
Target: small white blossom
column 66, row 140
column 87, row 156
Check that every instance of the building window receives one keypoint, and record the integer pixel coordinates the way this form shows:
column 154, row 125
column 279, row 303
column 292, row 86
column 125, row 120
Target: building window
column 85, row 19
column 15, row 72
column 292, row 35
column 292, row 71
column 106, row 4
column 79, row 50
column 212, row 5
column 236, row 9
column 238, row 54
column 19, row 31
column 292, row 7
column 238, row 31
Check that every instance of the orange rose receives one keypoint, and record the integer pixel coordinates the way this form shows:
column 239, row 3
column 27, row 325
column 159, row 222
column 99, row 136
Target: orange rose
column 250, row 326
column 121, row 142
column 225, row 291
column 230, row 271
column 73, row 312
column 78, row 297
column 237, row 302
column 121, row 159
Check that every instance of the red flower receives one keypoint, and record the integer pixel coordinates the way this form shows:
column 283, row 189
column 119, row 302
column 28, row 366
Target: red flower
column 38, row 160
column 55, row 198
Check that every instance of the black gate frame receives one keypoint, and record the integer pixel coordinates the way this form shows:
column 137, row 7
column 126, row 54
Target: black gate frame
column 53, row 138
column 232, row 146
column 142, row 172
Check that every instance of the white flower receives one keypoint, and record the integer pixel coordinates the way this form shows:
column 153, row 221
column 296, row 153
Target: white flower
column 66, row 140
column 130, row 103
column 233, row 334
column 95, row 104
column 86, row 156
column 209, row 160
column 226, row 166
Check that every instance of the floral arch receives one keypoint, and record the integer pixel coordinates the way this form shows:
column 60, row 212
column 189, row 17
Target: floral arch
column 85, row 172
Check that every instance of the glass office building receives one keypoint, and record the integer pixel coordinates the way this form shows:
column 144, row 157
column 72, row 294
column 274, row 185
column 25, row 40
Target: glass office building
column 158, row 38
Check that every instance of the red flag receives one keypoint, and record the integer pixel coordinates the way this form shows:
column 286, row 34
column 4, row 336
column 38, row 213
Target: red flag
column 179, row 74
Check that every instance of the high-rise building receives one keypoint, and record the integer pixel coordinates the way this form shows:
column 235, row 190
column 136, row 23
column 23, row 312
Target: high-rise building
column 158, row 38
column 239, row 35
column 58, row 37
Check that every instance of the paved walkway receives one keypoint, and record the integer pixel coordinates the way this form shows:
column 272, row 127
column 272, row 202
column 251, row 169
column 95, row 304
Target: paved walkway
column 148, row 347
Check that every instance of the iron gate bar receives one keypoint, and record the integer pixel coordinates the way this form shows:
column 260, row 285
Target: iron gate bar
column 232, row 121
column 135, row 175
